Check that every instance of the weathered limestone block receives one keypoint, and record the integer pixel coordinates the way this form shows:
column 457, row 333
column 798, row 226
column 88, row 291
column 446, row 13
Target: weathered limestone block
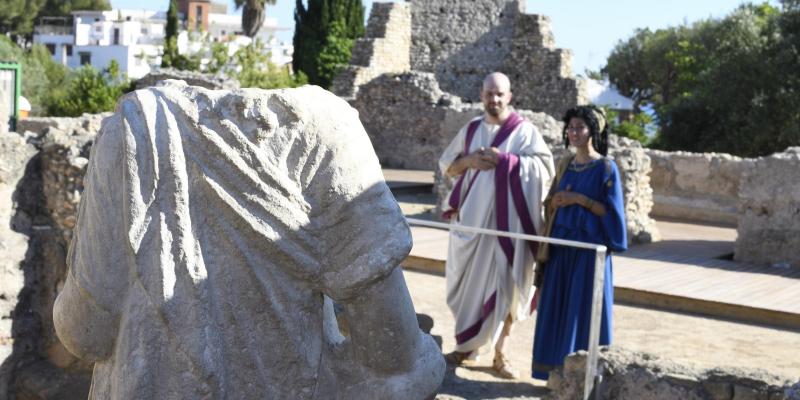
column 208, row 81
column 632, row 375
column 15, row 154
column 211, row 225
column 698, row 186
column 411, row 121
column 463, row 41
column 384, row 48
column 634, row 167
column 769, row 210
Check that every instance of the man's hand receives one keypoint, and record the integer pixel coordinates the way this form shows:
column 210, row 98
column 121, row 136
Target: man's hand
column 483, row 159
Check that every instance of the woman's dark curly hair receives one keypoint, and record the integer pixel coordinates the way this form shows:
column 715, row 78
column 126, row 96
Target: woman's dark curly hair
column 595, row 119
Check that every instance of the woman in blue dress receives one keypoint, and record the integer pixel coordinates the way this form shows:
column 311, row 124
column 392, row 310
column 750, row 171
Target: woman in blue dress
column 589, row 208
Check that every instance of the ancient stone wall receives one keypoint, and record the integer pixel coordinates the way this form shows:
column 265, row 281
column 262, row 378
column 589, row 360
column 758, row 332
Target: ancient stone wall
column 44, row 212
column 15, row 226
column 410, row 121
column 462, row 41
column 769, row 210
column 631, row 375
column 696, row 186
column 384, row 49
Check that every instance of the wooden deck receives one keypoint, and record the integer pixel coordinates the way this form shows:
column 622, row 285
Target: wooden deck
column 686, row 271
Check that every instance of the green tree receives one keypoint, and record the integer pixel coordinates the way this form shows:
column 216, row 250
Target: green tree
column 219, row 57
column 17, row 17
column 635, row 129
column 40, row 74
column 63, row 8
column 253, row 14
column 726, row 85
column 325, row 31
column 89, row 91
column 253, row 68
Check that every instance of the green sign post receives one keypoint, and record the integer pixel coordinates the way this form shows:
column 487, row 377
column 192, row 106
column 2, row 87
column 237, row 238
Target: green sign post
column 10, row 88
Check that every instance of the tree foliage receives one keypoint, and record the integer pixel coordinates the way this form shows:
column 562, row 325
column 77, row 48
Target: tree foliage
column 170, row 56
column 727, row 85
column 18, row 17
column 253, row 14
column 89, row 91
column 40, row 74
column 325, row 31
column 253, row 68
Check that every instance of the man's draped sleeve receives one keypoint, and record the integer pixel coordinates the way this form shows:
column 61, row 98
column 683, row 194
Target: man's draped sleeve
column 453, row 150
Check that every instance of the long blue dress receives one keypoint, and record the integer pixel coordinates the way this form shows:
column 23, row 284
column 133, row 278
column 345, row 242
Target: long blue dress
column 564, row 311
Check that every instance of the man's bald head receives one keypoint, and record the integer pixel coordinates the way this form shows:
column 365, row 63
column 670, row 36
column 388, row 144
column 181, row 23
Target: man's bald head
column 497, row 80
column 495, row 95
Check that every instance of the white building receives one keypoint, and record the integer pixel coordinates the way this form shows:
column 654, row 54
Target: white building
column 131, row 37
column 604, row 94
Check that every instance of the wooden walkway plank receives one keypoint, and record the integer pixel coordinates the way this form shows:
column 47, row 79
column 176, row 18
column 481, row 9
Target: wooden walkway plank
column 675, row 274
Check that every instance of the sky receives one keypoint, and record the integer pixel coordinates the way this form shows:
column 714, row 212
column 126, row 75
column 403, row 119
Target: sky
column 589, row 28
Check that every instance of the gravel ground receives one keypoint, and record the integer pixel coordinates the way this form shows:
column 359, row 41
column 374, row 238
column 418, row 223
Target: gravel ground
column 689, row 339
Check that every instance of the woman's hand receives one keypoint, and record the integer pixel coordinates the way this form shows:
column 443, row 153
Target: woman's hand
column 567, row 198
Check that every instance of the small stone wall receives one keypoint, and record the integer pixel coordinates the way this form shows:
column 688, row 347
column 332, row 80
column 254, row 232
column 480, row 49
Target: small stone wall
column 701, row 187
column 769, row 210
column 631, row 375
column 383, row 49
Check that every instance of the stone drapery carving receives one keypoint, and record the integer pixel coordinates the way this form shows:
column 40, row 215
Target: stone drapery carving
column 211, row 225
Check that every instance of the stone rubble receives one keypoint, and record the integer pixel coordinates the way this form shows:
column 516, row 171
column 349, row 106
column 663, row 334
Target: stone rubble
column 634, row 375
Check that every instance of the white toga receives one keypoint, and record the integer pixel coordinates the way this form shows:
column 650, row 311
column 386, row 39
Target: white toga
column 478, row 271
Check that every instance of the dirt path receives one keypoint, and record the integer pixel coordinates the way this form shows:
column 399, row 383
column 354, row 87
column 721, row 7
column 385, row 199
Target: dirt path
column 689, row 339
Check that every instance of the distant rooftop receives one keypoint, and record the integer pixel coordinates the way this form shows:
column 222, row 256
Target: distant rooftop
column 602, row 93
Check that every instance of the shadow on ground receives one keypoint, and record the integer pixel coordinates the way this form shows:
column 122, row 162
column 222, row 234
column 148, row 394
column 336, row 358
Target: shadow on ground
column 455, row 387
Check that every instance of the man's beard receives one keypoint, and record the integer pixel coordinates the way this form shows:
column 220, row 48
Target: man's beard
column 494, row 111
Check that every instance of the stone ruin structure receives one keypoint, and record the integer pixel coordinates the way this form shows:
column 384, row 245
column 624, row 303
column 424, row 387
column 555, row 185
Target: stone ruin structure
column 756, row 195
column 769, row 210
column 415, row 80
column 633, row 375
column 459, row 43
column 43, row 170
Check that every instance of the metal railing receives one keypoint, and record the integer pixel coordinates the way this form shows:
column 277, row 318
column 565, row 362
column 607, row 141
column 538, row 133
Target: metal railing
column 592, row 378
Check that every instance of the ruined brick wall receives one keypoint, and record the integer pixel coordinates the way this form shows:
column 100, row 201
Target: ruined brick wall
column 460, row 42
column 700, row 187
column 384, row 49
column 769, row 210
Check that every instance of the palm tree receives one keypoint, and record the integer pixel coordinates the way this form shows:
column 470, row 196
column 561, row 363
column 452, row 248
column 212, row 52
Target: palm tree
column 253, row 14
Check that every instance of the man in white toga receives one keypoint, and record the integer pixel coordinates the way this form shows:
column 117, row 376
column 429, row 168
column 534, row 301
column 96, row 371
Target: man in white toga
column 503, row 167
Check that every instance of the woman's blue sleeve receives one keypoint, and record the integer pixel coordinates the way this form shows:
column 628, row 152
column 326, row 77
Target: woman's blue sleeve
column 614, row 229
